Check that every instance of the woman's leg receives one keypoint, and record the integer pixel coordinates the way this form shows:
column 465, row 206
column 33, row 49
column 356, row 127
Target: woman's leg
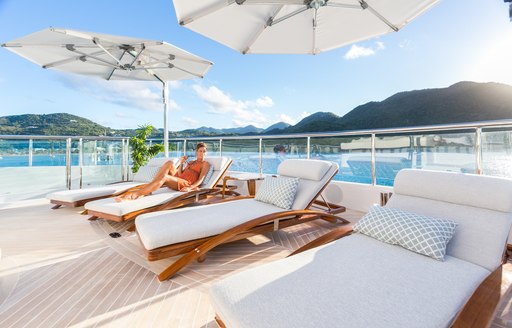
column 161, row 177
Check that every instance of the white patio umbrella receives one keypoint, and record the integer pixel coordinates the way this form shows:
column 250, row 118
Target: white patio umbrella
column 111, row 58
column 295, row 26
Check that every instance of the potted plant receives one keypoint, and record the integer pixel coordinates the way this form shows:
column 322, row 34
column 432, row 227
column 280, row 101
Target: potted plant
column 141, row 152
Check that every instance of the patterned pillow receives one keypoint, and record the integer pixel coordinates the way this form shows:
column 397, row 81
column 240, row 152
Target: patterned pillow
column 146, row 173
column 207, row 177
column 418, row 233
column 278, row 191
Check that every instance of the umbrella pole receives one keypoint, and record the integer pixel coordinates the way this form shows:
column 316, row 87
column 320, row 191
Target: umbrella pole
column 165, row 95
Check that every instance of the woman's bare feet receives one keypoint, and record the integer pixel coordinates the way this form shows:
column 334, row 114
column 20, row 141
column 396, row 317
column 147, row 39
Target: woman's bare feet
column 128, row 196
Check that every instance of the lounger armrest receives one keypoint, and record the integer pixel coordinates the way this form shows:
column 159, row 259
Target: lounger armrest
column 325, row 239
column 480, row 309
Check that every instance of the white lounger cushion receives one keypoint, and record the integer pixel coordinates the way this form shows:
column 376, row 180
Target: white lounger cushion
column 352, row 283
column 481, row 232
column 164, row 228
column 111, row 206
column 169, row 227
column 107, row 190
column 87, row 193
column 305, row 169
column 313, row 174
column 160, row 196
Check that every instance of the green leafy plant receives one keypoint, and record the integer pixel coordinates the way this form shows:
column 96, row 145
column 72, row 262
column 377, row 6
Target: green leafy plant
column 141, row 152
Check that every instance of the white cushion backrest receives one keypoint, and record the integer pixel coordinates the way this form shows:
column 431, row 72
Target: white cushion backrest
column 482, row 230
column 147, row 172
column 159, row 161
column 313, row 174
column 304, row 168
column 219, row 166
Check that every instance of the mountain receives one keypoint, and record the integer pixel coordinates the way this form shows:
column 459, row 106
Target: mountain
column 320, row 121
column 51, row 124
column 460, row 103
column 209, row 131
column 275, row 128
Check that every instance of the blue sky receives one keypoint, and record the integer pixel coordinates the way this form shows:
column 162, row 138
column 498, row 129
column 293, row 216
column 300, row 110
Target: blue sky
column 457, row 40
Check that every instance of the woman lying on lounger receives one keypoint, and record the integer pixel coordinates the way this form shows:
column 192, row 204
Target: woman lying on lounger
column 182, row 179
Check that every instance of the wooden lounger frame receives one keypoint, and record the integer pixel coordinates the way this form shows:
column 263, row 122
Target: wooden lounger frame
column 176, row 202
column 195, row 250
column 478, row 311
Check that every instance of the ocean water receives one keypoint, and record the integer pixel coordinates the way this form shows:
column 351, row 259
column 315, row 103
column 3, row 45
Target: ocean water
column 354, row 167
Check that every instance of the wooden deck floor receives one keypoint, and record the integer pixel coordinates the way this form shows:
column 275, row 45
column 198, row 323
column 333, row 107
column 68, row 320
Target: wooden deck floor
column 59, row 270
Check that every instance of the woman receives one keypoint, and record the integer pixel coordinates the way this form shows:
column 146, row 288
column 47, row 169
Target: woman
column 175, row 178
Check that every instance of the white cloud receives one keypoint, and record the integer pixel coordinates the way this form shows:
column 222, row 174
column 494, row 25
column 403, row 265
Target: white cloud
column 135, row 94
column 292, row 121
column 380, row 45
column 265, row 101
column 287, row 119
column 356, row 51
column 190, row 121
column 241, row 112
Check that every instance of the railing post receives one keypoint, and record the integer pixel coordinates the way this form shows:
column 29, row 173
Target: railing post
column 184, row 147
column 220, row 147
column 30, row 151
column 374, row 178
column 80, row 161
column 125, row 164
column 308, row 148
column 68, row 163
column 478, row 150
column 261, row 155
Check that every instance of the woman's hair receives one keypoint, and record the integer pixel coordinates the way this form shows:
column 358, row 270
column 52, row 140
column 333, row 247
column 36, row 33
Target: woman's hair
column 200, row 145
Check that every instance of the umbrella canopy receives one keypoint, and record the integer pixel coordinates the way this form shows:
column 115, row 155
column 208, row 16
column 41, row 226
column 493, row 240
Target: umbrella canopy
column 111, row 57
column 295, row 26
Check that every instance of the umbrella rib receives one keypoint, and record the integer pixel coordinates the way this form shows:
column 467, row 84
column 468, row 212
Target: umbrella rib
column 365, row 5
column 285, row 17
column 97, row 42
column 96, row 58
column 206, row 11
column 186, row 71
column 257, row 35
column 65, row 61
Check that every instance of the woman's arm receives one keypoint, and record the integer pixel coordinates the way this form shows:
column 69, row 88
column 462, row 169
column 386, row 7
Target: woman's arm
column 183, row 159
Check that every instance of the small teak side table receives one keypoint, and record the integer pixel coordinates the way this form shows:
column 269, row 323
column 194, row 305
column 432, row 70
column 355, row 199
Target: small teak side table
column 250, row 178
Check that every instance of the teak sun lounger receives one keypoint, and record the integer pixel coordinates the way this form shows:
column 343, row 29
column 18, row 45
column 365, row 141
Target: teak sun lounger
column 196, row 230
column 361, row 281
column 78, row 197
column 161, row 199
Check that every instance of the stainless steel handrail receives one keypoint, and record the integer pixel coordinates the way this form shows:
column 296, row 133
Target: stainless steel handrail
column 412, row 129
column 474, row 127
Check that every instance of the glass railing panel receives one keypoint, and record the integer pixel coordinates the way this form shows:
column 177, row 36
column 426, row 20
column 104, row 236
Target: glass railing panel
column 48, row 152
column 245, row 154
column 329, row 148
column 14, row 153
column 392, row 153
column 274, row 151
column 444, row 151
column 102, row 161
column 21, row 183
column 213, row 147
column 355, row 159
column 497, row 153
column 175, row 149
